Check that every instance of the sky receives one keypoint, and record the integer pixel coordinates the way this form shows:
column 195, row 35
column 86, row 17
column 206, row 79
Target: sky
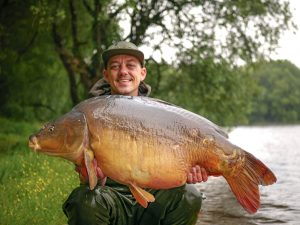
column 289, row 44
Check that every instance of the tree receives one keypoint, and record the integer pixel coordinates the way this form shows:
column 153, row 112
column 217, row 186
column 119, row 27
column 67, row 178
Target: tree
column 279, row 98
column 219, row 29
column 32, row 81
column 215, row 90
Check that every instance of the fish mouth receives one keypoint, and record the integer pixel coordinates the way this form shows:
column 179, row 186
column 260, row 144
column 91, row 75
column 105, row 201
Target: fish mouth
column 33, row 143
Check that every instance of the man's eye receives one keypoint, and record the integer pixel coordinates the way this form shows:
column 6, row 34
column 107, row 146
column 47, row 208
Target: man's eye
column 114, row 67
column 131, row 66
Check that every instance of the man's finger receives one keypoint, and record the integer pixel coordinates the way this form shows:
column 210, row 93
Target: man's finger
column 194, row 171
column 198, row 169
column 204, row 174
column 199, row 176
column 190, row 178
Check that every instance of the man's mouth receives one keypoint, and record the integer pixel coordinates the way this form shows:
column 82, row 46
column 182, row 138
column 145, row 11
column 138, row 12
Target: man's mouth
column 124, row 80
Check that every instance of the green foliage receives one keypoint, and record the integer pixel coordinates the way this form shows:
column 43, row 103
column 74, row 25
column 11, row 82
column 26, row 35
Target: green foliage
column 216, row 91
column 51, row 50
column 33, row 84
column 36, row 92
column 33, row 186
column 279, row 98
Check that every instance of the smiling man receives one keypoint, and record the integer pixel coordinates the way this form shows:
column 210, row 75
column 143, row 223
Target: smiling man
column 124, row 74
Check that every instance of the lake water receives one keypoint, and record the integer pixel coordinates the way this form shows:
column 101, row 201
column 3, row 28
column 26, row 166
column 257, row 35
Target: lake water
column 279, row 148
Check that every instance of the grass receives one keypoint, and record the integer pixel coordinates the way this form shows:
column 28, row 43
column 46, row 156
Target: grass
column 33, row 186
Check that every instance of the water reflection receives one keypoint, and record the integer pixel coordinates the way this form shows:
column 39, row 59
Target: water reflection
column 279, row 148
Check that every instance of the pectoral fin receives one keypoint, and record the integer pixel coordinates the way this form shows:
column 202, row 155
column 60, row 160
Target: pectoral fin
column 91, row 170
column 142, row 196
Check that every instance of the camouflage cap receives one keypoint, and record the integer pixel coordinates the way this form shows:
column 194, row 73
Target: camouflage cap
column 122, row 48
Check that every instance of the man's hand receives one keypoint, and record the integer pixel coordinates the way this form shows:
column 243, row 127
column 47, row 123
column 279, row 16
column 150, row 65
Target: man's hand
column 197, row 175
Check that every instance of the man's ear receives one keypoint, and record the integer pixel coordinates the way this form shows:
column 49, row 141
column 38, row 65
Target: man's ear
column 105, row 75
column 143, row 73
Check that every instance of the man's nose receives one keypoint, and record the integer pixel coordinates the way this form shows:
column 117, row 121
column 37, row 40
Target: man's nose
column 123, row 69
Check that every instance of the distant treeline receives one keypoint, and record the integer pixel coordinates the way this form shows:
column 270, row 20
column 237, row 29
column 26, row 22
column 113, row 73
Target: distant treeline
column 277, row 99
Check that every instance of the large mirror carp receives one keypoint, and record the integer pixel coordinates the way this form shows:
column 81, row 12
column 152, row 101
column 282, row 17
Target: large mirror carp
column 148, row 143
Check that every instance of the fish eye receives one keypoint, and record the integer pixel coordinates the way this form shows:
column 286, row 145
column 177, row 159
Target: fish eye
column 51, row 129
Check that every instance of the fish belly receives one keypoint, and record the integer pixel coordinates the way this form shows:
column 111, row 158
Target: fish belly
column 145, row 161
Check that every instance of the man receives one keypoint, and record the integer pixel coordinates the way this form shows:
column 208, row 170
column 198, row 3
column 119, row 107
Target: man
column 124, row 74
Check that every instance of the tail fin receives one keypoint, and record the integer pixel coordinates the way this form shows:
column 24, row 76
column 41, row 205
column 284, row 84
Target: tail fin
column 245, row 184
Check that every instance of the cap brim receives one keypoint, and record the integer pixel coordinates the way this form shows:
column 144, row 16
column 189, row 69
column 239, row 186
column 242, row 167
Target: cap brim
column 106, row 55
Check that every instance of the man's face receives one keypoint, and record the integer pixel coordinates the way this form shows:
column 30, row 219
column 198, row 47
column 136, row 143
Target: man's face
column 124, row 74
